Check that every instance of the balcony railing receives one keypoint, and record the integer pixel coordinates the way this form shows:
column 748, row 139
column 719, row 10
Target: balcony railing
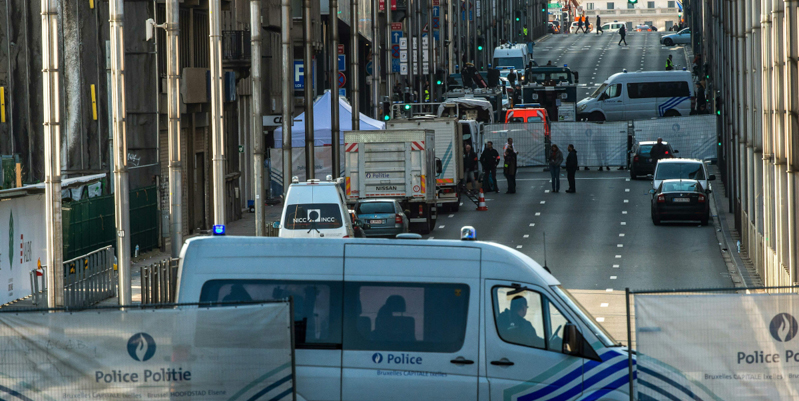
column 236, row 46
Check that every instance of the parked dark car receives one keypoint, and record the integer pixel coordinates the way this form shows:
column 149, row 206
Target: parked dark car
column 385, row 217
column 680, row 200
column 641, row 162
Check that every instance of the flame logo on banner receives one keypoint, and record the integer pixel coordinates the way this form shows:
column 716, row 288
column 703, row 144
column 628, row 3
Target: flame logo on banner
column 141, row 347
column 783, row 327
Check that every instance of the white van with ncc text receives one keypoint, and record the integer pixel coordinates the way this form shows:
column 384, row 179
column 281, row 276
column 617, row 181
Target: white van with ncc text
column 315, row 209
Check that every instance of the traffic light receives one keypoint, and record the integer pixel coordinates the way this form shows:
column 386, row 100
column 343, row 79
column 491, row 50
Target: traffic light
column 632, row 1
column 518, row 16
column 386, row 110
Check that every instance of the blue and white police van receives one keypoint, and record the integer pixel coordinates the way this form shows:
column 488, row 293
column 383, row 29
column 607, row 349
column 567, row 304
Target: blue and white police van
column 640, row 95
column 415, row 320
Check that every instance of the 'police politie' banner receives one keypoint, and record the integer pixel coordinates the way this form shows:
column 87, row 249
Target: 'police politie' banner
column 220, row 353
column 717, row 347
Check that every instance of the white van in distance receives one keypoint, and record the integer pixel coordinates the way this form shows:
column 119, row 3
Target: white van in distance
column 640, row 95
column 315, row 209
column 511, row 56
column 415, row 320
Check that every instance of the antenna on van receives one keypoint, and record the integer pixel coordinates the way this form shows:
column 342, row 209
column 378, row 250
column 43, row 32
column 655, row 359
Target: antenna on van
column 545, row 253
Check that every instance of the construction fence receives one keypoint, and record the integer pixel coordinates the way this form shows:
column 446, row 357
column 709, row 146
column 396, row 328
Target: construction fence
column 609, row 143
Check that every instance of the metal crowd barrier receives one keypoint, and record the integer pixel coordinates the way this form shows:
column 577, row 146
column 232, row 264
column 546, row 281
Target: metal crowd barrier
column 90, row 278
column 159, row 282
column 38, row 287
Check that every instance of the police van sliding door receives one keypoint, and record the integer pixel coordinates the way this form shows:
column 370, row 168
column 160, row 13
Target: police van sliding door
column 410, row 322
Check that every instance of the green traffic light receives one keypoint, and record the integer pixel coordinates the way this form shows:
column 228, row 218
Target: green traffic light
column 386, row 117
column 480, row 48
column 407, row 107
column 517, row 19
column 718, row 112
column 439, row 82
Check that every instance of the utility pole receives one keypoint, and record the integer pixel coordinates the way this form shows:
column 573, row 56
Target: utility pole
column 257, row 117
column 52, row 154
column 356, row 100
column 450, row 22
column 121, row 185
column 430, row 51
column 389, row 63
column 310, row 159
column 334, row 101
column 418, row 51
column 288, row 90
column 376, row 59
column 173, row 126
column 217, row 112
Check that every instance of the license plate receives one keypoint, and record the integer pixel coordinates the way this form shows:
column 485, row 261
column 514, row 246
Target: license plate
column 376, row 221
column 681, row 200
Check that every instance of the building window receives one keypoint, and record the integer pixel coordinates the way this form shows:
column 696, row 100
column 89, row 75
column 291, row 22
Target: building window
column 630, row 5
column 589, row 6
column 650, row 4
column 610, row 6
column 671, row 4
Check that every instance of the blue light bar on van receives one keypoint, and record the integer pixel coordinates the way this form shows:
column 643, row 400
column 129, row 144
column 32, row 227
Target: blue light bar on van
column 219, row 229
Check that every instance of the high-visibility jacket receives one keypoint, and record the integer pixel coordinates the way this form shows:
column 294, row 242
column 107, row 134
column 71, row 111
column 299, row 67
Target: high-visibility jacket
column 669, row 64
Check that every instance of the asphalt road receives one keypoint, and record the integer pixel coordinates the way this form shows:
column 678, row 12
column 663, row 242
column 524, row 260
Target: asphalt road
column 599, row 240
column 597, row 57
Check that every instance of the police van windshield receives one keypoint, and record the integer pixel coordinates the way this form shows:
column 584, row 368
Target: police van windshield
column 600, row 333
column 598, row 91
column 312, row 215
column 515, row 62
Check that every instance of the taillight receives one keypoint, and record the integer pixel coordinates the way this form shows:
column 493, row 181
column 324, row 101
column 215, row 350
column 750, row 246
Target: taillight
column 346, row 236
column 398, row 218
column 421, row 210
column 447, row 190
column 701, row 198
column 635, row 159
column 661, row 198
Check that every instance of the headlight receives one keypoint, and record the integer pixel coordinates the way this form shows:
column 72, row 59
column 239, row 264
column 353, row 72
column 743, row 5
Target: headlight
column 581, row 108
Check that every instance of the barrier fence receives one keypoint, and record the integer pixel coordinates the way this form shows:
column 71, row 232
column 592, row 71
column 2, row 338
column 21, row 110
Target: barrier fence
column 606, row 144
column 90, row 278
column 736, row 345
column 159, row 282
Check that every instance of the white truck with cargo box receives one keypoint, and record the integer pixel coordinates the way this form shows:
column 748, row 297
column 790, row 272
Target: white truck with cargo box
column 397, row 164
column 449, row 150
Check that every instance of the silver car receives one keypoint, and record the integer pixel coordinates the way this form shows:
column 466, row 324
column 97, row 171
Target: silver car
column 682, row 37
column 385, row 217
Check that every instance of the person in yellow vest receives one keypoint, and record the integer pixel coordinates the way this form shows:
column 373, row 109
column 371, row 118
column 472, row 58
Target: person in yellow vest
column 669, row 63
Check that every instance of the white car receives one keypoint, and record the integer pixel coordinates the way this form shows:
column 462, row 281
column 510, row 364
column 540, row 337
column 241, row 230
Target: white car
column 686, row 169
column 682, row 37
column 613, row 26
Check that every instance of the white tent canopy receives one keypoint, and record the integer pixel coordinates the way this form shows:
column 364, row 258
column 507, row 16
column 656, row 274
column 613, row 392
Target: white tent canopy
column 322, row 124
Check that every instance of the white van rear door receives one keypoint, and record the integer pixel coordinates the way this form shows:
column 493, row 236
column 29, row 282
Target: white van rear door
column 411, row 322
column 524, row 358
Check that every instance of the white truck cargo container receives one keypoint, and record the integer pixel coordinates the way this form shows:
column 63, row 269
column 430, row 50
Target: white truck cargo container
column 397, row 164
column 449, row 150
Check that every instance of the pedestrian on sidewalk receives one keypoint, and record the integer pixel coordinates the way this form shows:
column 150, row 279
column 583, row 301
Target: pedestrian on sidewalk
column 599, row 25
column 490, row 159
column 510, row 170
column 623, row 34
column 469, row 166
column 579, row 25
column 571, row 168
column 555, row 160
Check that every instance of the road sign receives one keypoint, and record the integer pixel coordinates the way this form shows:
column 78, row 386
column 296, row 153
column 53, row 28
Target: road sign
column 340, row 49
column 342, row 92
column 369, row 68
column 403, row 42
column 342, row 62
column 396, row 26
column 273, row 121
column 299, row 75
column 436, row 11
column 403, row 69
column 395, row 51
column 382, row 7
column 403, row 56
column 393, row 5
column 435, row 23
column 478, row 7
column 395, row 37
column 436, row 35
column 436, row 3
column 395, row 65
column 342, row 79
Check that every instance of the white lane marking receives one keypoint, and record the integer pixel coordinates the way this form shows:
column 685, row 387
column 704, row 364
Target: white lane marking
column 543, row 202
column 612, row 277
column 600, row 319
column 526, row 236
column 603, row 305
column 461, row 204
column 626, row 201
column 518, row 247
column 627, row 179
column 538, row 213
column 546, row 191
column 451, row 216
column 609, row 290
column 532, row 224
column 618, row 256
column 624, row 212
column 616, row 266
column 440, row 227
column 627, row 190
column 621, row 235
column 623, row 223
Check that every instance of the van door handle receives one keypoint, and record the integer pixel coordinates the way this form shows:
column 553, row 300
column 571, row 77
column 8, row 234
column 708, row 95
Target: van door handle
column 461, row 361
column 502, row 362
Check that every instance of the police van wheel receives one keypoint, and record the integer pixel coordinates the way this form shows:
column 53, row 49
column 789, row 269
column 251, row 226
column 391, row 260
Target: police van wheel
column 596, row 116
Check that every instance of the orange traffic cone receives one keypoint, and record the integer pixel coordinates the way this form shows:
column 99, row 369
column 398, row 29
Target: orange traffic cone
column 481, row 205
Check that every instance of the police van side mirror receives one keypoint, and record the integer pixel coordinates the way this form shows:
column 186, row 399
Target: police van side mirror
column 572, row 340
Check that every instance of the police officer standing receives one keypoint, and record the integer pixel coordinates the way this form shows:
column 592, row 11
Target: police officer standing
column 670, row 63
